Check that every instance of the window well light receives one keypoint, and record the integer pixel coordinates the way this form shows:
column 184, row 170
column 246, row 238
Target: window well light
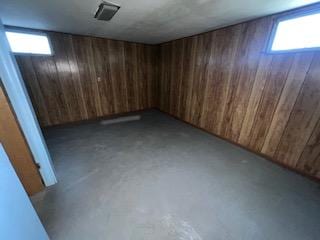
column 28, row 43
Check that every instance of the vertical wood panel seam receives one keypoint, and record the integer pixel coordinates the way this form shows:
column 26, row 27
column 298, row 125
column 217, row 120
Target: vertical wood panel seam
column 275, row 107
column 291, row 112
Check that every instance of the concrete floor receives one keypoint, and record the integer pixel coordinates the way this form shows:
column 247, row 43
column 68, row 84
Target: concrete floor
column 161, row 179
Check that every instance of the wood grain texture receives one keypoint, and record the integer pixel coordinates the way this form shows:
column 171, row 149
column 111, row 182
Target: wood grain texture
column 303, row 117
column 221, row 81
column 309, row 161
column 17, row 149
column 89, row 77
column 225, row 83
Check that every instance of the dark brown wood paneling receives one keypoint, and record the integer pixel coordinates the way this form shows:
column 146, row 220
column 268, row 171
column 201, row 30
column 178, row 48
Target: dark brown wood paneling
column 309, row 161
column 12, row 139
column 286, row 102
column 303, row 118
column 222, row 81
column 252, row 40
column 89, row 77
column 225, row 83
column 217, row 77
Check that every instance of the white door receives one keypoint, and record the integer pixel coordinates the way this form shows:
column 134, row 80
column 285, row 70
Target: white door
column 18, row 219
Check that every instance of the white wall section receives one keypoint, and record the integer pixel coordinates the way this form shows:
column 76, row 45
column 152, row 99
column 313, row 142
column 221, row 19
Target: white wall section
column 147, row 21
column 18, row 219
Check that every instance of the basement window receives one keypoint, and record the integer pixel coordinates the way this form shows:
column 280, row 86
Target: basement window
column 296, row 33
column 29, row 43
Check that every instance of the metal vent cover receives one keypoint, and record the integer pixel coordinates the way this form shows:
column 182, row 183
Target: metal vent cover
column 106, row 11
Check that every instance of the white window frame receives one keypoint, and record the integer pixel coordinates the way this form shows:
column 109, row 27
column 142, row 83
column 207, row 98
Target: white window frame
column 289, row 17
column 31, row 32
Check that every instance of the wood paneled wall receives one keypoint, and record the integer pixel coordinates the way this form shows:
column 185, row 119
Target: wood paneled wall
column 17, row 149
column 224, row 82
column 89, row 77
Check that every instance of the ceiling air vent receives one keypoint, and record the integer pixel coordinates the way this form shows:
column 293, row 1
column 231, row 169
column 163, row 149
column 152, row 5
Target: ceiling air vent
column 106, row 11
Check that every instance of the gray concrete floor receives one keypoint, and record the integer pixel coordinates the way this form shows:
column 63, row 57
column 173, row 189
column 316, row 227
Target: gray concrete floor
column 161, row 179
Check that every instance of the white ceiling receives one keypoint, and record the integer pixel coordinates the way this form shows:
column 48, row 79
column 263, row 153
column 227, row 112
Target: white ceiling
column 147, row 21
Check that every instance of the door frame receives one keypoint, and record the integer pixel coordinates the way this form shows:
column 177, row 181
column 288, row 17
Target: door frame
column 16, row 91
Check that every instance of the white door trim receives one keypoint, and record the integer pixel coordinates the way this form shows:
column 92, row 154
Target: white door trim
column 21, row 104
